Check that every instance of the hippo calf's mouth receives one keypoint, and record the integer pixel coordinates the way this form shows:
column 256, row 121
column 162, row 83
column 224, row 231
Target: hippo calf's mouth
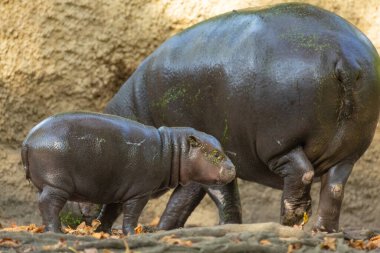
column 226, row 175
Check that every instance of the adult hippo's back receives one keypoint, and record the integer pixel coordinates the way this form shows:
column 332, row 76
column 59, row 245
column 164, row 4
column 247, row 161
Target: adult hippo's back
column 292, row 90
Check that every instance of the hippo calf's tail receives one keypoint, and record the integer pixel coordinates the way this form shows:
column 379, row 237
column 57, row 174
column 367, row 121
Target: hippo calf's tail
column 25, row 161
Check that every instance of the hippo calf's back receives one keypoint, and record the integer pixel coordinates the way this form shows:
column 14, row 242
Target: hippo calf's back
column 91, row 154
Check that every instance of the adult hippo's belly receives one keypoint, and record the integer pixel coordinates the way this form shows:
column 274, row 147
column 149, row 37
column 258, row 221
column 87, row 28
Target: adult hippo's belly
column 291, row 91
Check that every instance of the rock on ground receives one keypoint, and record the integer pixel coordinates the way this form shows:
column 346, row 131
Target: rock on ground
column 265, row 237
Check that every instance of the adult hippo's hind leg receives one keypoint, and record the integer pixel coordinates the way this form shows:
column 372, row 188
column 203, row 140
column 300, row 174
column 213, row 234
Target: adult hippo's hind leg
column 51, row 200
column 181, row 204
column 331, row 197
column 227, row 199
column 298, row 173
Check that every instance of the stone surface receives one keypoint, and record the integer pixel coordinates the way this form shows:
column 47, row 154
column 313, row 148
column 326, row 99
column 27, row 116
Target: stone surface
column 63, row 55
column 264, row 237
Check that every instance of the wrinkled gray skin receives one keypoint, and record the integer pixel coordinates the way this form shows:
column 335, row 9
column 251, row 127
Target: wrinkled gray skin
column 107, row 159
column 292, row 90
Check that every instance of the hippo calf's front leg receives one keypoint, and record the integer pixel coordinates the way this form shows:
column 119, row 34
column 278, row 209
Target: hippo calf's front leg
column 331, row 197
column 298, row 174
column 132, row 209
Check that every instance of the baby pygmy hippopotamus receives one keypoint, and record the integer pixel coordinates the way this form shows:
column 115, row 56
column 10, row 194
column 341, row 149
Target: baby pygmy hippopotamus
column 108, row 159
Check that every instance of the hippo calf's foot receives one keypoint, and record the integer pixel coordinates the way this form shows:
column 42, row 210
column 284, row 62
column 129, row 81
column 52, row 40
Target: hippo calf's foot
column 108, row 216
column 132, row 209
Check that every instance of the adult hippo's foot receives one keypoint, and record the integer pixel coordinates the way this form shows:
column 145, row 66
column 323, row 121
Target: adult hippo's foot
column 331, row 197
column 185, row 198
column 298, row 173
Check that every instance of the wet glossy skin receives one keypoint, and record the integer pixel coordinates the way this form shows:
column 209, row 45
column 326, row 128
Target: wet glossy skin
column 292, row 90
column 110, row 160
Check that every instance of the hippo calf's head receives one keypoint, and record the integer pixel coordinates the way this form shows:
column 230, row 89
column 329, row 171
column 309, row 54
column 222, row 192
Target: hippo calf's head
column 206, row 162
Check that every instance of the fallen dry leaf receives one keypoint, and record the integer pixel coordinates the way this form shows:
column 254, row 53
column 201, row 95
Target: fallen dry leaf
column 9, row 243
column 30, row 228
column 265, row 242
column 139, row 229
column 305, row 219
column 83, row 229
column 170, row 239
column 59, row 245
column 95, row 224
column 357, row 244
column 100, row 235
column 373, row 243
column 293, row 247
column 329, row 243
column 107, row 251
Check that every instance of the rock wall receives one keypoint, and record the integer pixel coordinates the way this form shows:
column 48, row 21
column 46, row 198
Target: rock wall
column 63, row 55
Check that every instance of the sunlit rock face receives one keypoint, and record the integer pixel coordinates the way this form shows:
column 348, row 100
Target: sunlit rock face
column 74, row 55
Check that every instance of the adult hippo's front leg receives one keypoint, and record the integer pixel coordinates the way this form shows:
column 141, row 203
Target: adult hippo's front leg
column 331, row 197
column 185, row 198
column 297, row 172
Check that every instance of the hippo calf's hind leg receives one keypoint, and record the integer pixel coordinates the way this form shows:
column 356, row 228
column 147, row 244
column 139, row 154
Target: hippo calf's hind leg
column 298, row 174
column 132, row 209
column 108, row 215
column 50, row 202
column 331, row 197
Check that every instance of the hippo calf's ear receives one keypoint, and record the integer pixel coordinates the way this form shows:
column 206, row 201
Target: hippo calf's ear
column 193, row 141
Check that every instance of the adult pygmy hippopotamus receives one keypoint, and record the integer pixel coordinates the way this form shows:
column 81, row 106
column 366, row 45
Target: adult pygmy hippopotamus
column 292, row 90
column 107, row 159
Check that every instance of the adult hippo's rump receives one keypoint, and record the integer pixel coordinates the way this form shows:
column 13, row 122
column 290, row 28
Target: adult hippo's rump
column 292, row 90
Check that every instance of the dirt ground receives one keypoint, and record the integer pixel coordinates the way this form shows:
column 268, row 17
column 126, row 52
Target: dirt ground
column 64, row 55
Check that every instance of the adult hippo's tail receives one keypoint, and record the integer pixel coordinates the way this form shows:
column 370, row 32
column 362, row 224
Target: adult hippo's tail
column 24, row 158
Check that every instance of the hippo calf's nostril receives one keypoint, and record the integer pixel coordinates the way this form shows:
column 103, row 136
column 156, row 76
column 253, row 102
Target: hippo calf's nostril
column 227, row 174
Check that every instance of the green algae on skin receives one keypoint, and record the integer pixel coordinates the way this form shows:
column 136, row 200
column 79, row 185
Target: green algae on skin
column 215, row 157
column 306, row 41
column 169, row 96
column 225, row 133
